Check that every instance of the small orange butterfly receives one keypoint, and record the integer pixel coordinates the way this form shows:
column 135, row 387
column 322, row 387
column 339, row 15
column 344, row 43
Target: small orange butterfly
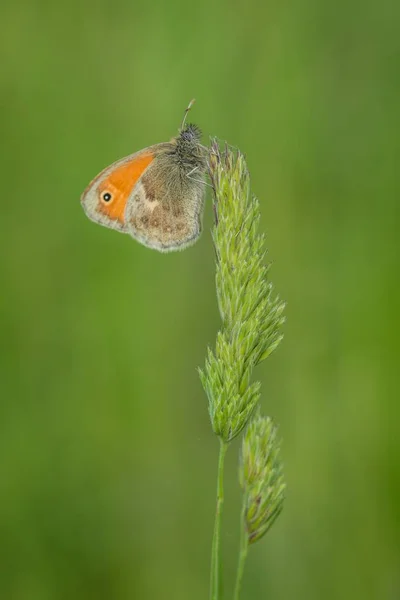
column 151, row 194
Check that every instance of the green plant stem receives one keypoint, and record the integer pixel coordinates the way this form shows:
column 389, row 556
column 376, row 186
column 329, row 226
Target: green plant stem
column 215, row 578
column 244, row 548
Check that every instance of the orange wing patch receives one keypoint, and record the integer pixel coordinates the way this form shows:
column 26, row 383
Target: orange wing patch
column 119, row 185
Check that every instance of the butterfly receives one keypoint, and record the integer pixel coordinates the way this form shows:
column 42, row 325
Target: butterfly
column 156, row 195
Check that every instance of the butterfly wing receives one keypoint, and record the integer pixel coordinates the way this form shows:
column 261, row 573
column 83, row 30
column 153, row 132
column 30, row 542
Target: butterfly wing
column 165, row 208
column 104, row 200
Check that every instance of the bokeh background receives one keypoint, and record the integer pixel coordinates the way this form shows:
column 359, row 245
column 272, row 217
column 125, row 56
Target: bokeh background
column 108, row 463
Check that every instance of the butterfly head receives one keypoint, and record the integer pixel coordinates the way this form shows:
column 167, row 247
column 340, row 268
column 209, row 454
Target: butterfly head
column 189, row 151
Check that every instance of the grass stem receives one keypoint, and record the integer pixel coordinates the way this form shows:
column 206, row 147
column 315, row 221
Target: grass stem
column 215, row 578
column 244, row 547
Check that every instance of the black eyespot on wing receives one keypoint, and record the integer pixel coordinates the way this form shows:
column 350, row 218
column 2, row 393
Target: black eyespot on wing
column 106, row 197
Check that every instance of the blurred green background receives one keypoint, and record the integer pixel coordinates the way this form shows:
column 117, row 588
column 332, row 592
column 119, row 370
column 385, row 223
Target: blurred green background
column 108, row 463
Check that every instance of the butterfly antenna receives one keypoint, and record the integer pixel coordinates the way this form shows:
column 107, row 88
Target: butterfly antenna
column 186, row 113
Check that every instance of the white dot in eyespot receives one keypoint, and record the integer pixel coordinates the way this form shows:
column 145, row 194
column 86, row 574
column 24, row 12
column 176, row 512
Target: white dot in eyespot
column 106, row 196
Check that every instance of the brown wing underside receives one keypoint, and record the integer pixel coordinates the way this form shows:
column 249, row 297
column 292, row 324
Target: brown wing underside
column 165, row 207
